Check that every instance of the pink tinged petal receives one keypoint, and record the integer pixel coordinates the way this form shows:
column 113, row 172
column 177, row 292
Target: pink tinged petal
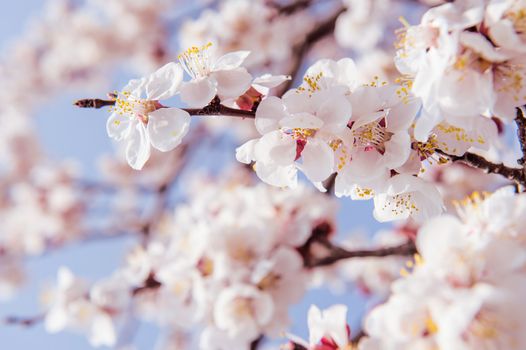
column 102, row 331
column 275, row 175
column 245, row 152
column 230, row 60
column 397, row 150
column 135, row 87
column 276, row 147
column 318, row 160
column 299, row 102
column 118, row 126
column 167, row 127
column 424, row 124
column 365, row 100
column 347, row 72
column 478, row 43
column 270, row 111
column 198, row 93
column 56, row 320
column 336, row 323
column 504, row 35
column 401, row 116
column 271, row 81
column 315, row 324
column 335, row 113
column 301, row 121
column 232, row 83
column 138, row 148
column 165, row 82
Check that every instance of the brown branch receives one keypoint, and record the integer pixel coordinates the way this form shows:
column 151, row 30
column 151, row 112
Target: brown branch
column 320, row 251
column 336, row 254
column 520, row 120
column 479, row 162
column 213, row 108
column 24, row 322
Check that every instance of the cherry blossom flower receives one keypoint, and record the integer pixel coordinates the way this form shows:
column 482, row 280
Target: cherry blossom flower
column 301, row 125
column 223, row 77
column 142, row 121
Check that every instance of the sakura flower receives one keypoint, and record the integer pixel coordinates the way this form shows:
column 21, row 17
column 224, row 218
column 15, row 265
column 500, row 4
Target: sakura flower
column 329, row 327
column 301, row 125
column 505, row 24
column 380, row 138
column 142, row 122
column 407, row 196
column 242, row 310
column 70, row 308
column 223, row 77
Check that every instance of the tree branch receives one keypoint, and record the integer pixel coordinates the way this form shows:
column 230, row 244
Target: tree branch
column 213, row 108
column 479, row 162
column 336, row 254
column 25, row 322
column 520, row 120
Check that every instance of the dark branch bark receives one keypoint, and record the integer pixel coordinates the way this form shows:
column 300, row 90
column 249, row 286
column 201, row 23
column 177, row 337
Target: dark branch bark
column 336, row 254
column 25, row 322
column 520, row 120
column 479, row 162
column 214, row 108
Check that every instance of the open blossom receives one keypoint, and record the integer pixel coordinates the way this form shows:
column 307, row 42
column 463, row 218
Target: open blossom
column 73, row 307
column 461, row 73
column 465, row 287
column 380, row 140
column 140, row 120
column 407, row 196
column 223, row 76
column 299, row 126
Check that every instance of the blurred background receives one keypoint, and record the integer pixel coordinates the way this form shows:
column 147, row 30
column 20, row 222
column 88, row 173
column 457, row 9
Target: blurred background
column 66, row 133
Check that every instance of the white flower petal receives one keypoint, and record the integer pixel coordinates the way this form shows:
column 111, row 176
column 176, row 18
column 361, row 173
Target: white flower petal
column 230, row 60
column 167, row 127
column 198, row 93
column 165, row 82
column 118, row 126
column 245, row 152
column 270, row 111
column 232, row 83
column 318, row 160
column 138, row 148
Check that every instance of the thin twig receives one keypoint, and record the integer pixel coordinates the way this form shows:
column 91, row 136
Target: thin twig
column 479, row 162
column 520, row 120
column 336, row 254
column 213, row 108
column 25, row 322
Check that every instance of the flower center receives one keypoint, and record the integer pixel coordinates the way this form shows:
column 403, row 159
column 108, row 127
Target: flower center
column 135, row 107
column 372, row 135
column 196, row 61
column 518, row 18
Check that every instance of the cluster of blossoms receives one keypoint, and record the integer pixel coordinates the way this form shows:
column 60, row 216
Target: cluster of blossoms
column 141, row 121
column 362, row 133
column 466, row 287
column 466, row 62
column 230, row 261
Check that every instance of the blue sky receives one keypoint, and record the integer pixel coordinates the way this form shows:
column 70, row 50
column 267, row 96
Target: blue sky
column 67, row 132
